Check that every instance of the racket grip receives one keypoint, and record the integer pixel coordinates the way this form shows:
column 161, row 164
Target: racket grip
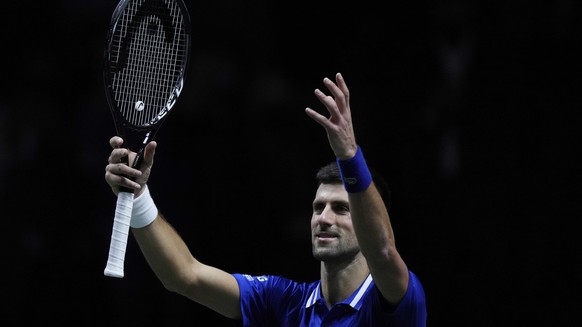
column 119, row 235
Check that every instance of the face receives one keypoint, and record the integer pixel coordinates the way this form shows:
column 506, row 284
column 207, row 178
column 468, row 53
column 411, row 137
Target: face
column 332, row 232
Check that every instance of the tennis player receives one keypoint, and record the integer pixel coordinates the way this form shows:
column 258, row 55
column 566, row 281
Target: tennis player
column 363, row 281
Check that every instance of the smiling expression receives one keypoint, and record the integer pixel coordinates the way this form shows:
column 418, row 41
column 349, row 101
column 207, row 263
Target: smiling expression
column 332, row 232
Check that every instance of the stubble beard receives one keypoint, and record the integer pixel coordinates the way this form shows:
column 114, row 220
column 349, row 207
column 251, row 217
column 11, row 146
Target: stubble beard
column 331, row 253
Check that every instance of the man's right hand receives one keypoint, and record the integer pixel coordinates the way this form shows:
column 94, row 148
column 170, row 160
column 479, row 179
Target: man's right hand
column 118, row 174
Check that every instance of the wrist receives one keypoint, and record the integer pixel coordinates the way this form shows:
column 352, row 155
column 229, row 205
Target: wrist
column 355, row 173
column 144, row 210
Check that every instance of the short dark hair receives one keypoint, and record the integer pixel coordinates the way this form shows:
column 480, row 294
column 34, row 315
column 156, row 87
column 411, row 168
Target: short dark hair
column 330, row 174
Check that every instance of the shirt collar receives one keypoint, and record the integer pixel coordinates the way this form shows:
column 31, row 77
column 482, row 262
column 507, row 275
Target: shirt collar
column 355, row 300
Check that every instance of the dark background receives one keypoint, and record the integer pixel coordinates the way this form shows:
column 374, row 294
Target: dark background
column 468, row 108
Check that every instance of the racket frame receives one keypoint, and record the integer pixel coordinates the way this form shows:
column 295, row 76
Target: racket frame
column 134, row 134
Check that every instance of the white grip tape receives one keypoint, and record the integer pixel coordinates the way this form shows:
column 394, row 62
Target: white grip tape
column 119, row 235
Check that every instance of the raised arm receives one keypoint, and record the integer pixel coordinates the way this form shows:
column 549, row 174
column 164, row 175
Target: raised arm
column 368, row 212
column 165, row 251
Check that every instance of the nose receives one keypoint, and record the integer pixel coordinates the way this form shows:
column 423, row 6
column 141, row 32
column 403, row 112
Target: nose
column 326, row 216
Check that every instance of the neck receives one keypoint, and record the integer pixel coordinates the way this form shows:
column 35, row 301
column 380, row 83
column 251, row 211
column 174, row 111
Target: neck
column 340, row 280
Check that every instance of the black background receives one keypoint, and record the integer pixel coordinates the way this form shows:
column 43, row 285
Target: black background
column 468, row 108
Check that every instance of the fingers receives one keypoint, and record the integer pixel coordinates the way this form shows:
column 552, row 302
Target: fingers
column 122, row 169
column 118, row 153
column 117, row 172
column 120, row 174
column 320, row 119
column 149, row 153
column 341, row 83
column 115, row 142
column 328, row 101
column 338, row 125
column 339, row 92
column 146, row 164
column 336, row 104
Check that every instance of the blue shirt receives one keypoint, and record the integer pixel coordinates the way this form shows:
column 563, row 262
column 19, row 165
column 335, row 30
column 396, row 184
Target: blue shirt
column 277, row 301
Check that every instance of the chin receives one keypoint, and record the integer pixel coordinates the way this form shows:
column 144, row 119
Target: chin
column 323, row 254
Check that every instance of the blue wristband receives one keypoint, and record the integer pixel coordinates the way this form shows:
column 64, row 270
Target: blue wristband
column 355, row 173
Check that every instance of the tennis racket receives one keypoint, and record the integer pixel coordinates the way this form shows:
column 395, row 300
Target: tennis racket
column 144, row 68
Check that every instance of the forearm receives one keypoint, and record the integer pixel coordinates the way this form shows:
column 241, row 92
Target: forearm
column 372, row 224
column 374, row 232
column 180, row 272
column 367, row 208
column 166, row 253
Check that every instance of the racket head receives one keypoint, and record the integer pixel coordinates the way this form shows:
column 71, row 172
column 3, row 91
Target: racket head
column 145, row 62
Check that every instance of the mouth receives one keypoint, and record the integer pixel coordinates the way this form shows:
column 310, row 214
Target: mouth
column 325, row 236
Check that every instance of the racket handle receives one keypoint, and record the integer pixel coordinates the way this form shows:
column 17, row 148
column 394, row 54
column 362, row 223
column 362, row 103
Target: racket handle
column 119, row 235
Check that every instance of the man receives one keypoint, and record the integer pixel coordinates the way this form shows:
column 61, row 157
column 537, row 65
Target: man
column 364, row 281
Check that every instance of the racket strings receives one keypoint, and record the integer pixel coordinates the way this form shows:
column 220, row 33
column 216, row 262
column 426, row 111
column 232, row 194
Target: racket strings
column 148, row 85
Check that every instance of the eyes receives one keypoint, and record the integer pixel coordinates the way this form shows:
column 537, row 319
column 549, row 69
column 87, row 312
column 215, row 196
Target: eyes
column 339, row 208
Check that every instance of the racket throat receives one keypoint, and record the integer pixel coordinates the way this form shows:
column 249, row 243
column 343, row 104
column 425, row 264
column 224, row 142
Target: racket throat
column 139, row 155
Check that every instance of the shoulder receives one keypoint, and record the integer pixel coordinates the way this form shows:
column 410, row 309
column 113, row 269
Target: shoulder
column 415, row 286
column 269, row 300
column 413, row 304
column 410, row 311
column 271, row 284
